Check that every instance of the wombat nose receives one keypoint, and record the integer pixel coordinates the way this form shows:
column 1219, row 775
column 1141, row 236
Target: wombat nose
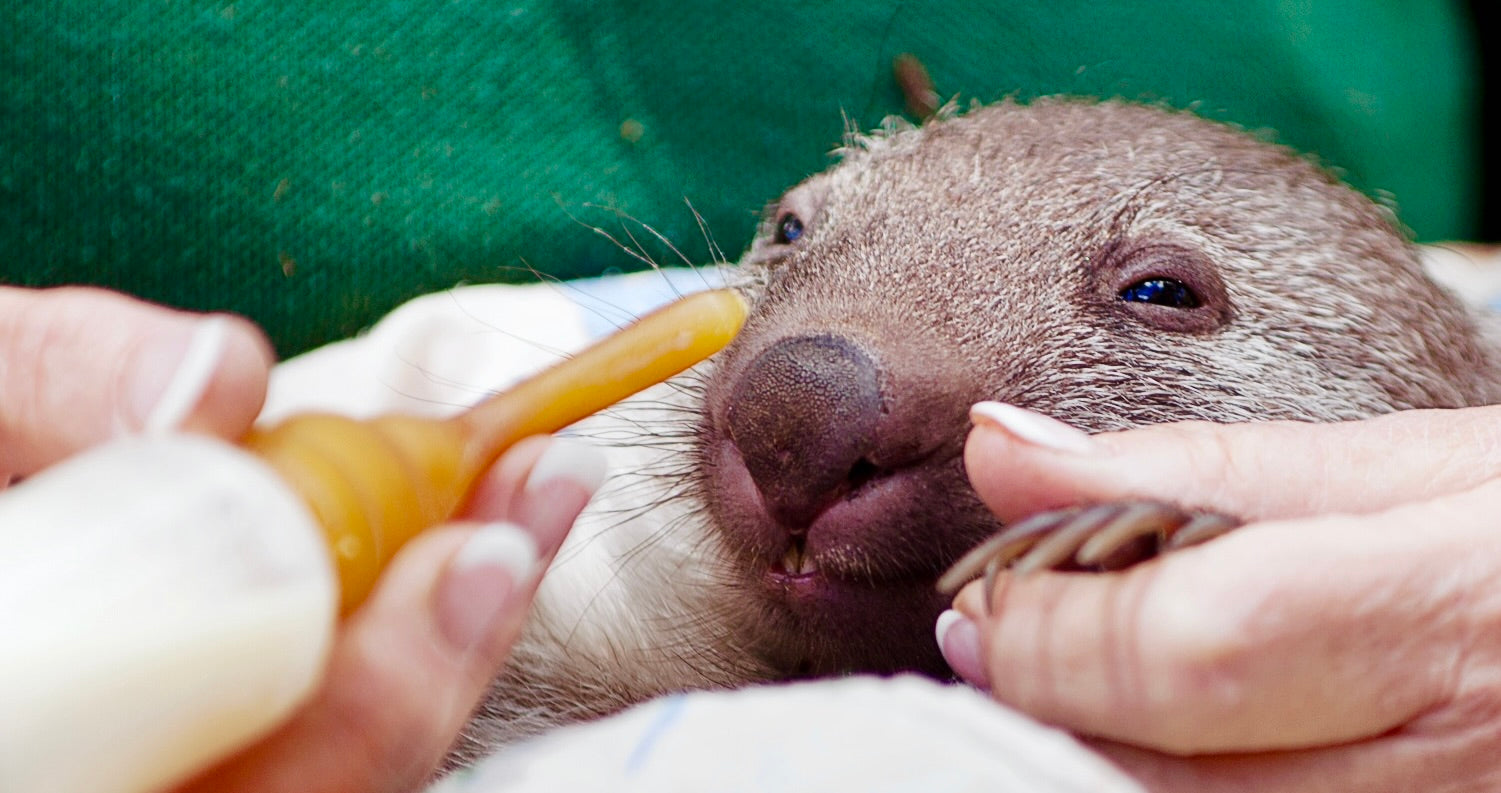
column 804, row 416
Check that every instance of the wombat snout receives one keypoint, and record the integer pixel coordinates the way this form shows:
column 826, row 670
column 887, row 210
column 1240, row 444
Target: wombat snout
column 804, row 416
column 832, row 467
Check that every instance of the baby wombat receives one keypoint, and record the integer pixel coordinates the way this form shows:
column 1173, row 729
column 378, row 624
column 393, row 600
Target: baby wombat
column 784, row 511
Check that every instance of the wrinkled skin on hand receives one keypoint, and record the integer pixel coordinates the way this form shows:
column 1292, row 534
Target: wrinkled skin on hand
column 1347, row 639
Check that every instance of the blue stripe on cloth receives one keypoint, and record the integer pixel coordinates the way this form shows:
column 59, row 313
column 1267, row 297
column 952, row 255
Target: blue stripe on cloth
column 668, row 711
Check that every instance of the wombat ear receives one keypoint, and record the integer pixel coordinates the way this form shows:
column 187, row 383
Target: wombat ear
column 788, row 223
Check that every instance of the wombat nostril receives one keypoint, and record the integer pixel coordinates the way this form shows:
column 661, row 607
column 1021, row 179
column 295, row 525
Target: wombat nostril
column 804, row 417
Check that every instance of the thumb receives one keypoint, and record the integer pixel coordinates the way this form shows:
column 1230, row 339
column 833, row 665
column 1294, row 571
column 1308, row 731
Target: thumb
column 411, row 663
column 79, row 366
column 1022, row 462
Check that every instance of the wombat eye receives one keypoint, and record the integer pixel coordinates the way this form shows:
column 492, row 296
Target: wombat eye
column 789, row 229
column 1168, row 292
column 1163, row 285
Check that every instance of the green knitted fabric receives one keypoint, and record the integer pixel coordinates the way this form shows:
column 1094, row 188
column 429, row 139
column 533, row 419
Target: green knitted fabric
column 312, row 164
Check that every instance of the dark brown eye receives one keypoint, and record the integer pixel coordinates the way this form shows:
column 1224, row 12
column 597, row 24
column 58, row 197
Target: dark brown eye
column 1168, row 292
column 789, row 229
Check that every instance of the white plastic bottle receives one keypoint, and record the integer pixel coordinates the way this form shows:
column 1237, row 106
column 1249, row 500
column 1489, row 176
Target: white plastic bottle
column 163, row 601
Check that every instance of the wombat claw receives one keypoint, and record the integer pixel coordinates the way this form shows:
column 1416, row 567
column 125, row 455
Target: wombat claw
column 1109, row 536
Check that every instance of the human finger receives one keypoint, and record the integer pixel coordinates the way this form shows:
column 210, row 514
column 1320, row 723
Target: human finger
column 411, row 664
column 79, row 366
column 1282, row 635
column 1022, row 462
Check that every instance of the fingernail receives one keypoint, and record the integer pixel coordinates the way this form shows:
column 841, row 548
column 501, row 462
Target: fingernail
column 1034, row 428
column 959, row 641
column 496, row 562
column 173, row 371
column 564, row 478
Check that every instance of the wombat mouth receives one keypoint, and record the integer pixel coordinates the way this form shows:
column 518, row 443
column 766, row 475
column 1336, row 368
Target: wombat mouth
column 853, row 587
column 850, row 541
column 816, row 626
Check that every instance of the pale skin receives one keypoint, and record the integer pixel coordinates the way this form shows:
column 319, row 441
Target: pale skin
column 1347, row 639
column 81, row 366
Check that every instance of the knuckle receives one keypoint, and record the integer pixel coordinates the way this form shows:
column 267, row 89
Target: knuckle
column 1239, row 469
column 1193, row 657
column 1210, row 456
column 395, row 715
column 29, row 340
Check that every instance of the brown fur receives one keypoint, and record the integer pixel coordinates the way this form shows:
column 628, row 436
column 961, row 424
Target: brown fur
column 976, row 257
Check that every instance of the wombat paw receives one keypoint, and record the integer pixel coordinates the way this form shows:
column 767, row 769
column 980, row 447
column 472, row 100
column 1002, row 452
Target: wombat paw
column 1101, row 537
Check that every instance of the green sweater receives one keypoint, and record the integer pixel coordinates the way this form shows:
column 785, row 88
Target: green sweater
column 312, row 164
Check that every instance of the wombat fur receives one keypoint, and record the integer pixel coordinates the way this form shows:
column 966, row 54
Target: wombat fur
column 783, row 510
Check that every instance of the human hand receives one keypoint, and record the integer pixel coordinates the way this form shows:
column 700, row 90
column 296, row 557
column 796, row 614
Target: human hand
column 412, row 662
column 81, row 366
column 1348, row 638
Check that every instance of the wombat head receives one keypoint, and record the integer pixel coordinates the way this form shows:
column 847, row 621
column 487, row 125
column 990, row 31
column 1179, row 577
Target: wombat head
column 1105, row 263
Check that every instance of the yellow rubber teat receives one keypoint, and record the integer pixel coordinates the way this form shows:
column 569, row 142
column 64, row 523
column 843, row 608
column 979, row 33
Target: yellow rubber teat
column 374, row 484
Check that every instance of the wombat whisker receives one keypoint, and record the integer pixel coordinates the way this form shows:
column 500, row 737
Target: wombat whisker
column 622, row 562
column 716, row 255
column 624, row 217
column 637, row 431
column 689, row 263
column 588, row 304
column 423, row 399
column 629, row 556
column 661, row 488
column 619, row 519
column 638, row 255
column 456, row 295
column 663, row 407
column 633, row 440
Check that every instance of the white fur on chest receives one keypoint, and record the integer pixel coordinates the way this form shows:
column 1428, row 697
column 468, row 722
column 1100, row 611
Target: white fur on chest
column 634, row 604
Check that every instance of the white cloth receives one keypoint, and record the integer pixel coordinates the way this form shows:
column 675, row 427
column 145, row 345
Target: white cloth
column 855, row 734
column 1473, row 272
